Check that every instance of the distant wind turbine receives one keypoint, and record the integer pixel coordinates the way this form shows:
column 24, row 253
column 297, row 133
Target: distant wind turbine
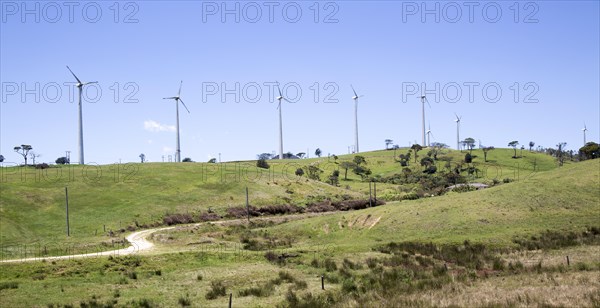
column 279, row 99
column 177, row 100
column 355, row 98
column 429, row 134
column 80, row 85
column 423, row 100
column 584, row 129
column 457, row 131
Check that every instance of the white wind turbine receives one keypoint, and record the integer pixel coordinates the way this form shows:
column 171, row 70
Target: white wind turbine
column 584, row 129
column 79, row 86
column 279, row 99
column 423, row 100
column 355, row 98
column 429, row 134
column 457, row 131
column 177, row 100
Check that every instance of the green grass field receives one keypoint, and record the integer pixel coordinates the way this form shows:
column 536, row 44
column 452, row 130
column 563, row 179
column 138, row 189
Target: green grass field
column 345, row 247
column 113, row 197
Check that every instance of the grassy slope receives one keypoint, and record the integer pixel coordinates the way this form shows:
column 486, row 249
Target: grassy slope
column 32, row 201
column 564, row 199
column 32, row 207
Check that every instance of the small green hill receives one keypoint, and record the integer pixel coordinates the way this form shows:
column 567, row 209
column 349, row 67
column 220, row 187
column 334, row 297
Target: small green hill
column 567, row 198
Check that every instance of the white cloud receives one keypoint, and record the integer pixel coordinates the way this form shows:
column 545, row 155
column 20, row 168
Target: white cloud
column 153, row 126
column 150, row 141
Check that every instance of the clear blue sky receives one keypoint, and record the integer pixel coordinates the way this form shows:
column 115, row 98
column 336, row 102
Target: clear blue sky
column 376, row 46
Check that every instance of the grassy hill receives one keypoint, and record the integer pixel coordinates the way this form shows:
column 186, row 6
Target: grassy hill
column 113, row 197
column 564, row 199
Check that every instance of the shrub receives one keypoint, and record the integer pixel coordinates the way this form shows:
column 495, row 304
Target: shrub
column 184, row 301
column 217, row 289
column 9, row 285
column 242, row 212
column 263, row 290
column 261, row 163
column 175, row 219
column 320, row 207
column 280, row 209
column 209, row 217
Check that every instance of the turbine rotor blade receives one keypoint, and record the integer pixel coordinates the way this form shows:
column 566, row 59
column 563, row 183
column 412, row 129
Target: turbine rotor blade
column 186, row 108
column 179, row 92
column 73, row 74
column 279, row 89
column 85, row 84
column 427, row 102
column 356, row 95
column 170, row 97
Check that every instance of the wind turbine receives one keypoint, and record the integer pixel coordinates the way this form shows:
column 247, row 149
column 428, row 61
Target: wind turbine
column 423, row 100
column 457, row 131
column 584, row 129
column 355, row 98
column 177, row 100
column 80, row 85
column 429, row 134
column 280, row 98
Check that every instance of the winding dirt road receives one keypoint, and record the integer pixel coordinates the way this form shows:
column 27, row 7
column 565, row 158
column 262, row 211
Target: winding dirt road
column 139, row 242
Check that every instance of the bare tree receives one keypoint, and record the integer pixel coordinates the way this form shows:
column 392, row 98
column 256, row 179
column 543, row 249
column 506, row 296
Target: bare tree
column 24, row 151
column 387, row 143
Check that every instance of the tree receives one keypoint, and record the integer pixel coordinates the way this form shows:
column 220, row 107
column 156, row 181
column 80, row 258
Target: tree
column 318, row 152
column 62, row 160
column 300, row 172
column 262, row 163
column 514, row 145
column 387, row 143
column 1, row 158
column 522, row 148
column 265, row 156
column 589, row 151
column 560, row 153
column 485, row 152
column 416, row 148
column 334, row 177
column 142, row 158
column 24, row 151
column 314, row 172
column 470, row 143
column 212, row 161
column 468, row 158
column 347, row 165
column 301, row 155
column 33, row 156
column 359, row 160
column 187, row 160
column 531, row 144
column 362, row 171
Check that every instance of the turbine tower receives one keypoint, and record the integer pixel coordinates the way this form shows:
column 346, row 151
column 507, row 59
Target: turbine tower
column 355, row 98
column 177, row 101
column 423, row 100
column 79, row 86
column 279, row 99
column 457, row 131
column 584, row 129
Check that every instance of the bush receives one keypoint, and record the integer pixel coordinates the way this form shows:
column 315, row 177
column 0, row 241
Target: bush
column 280, row 209
column 61, row 161
column 209, row 217
column 242, row 212
column 175, row 219
column 320, row 207
column 42, row 166
column 184, row 301
column 261, row 163
column 217, row 289
column 9, row 285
